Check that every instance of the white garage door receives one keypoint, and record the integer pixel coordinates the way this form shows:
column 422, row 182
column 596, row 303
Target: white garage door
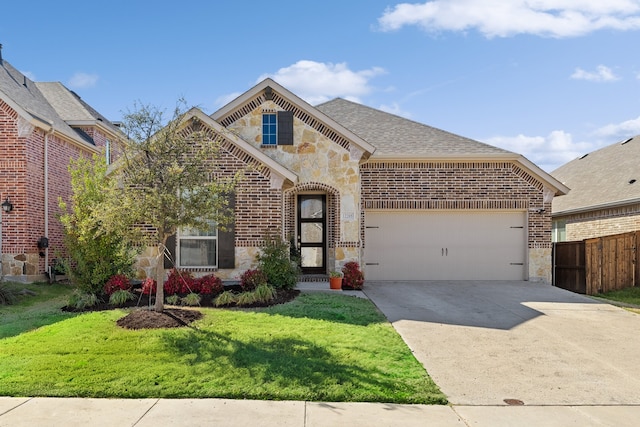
column 445, row 245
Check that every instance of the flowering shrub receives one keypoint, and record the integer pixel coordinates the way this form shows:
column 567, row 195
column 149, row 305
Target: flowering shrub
column 115, row 283
column 149, row 286
column 251, row 279
column 209, row 284
column 178, row 282
column 352, row 276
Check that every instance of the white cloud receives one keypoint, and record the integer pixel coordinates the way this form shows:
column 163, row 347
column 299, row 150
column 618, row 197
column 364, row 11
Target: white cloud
column 548, row 152
column 602, row 74
column 394, row 108
column 225, row 99
column 623, row 130
column 82, row 80
column 318, row 82
column 504, row 18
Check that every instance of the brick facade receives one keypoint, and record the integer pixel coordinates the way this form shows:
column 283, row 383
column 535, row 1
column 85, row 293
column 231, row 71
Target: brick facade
column 22, row 179
column 603, row 222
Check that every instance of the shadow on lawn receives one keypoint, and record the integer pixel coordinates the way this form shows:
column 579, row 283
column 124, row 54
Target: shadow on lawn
column 307, row 370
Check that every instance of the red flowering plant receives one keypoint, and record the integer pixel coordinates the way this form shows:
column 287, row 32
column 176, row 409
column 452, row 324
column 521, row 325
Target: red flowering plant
column 209, row 285
column 116, row 283
column 149, row 286
column 251, row 279
column 178, row 282
column 352, row 276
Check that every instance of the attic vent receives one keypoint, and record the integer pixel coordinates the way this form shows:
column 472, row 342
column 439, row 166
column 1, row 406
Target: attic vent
column 628, row 140
column 631, row 181
column 584, row 156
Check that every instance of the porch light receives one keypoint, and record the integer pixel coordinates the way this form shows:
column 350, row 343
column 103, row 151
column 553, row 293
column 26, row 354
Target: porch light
column 7, row 206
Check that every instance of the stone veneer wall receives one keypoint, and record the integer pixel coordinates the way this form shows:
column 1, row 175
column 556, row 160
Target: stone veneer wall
column 322, row 166
column 469, row 186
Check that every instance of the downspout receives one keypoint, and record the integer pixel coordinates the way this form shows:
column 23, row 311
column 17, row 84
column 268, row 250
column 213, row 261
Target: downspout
column 46, row 194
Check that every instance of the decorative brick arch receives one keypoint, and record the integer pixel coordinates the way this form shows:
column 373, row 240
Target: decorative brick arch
column 333, row 209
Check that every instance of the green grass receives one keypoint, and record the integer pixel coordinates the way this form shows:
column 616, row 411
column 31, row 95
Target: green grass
column 320, row 347
column 626, row 296
column 30, row 312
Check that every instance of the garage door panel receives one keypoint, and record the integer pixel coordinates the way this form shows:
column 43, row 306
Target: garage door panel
column 405, row 245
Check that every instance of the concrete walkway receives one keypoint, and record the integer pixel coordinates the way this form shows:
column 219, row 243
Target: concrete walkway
column 449, row 346
column 72, row 412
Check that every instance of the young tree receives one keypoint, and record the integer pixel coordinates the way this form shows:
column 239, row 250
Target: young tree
column 168, row 179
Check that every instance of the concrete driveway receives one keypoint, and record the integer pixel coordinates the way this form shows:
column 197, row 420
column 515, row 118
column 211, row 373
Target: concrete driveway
column 484, row 342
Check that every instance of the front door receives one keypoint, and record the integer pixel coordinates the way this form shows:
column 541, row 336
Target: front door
column 312, row 226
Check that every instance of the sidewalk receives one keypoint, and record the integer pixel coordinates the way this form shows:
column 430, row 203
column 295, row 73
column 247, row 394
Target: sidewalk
column 71, row 412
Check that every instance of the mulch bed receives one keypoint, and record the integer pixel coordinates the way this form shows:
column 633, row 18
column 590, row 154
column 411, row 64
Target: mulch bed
column 145, row 317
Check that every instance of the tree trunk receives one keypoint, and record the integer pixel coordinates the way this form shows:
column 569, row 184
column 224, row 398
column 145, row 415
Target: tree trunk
column 160, row 276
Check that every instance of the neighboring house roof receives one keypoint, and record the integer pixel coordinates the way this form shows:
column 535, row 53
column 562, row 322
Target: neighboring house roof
column 33, row 102
column 601, row 179
column 395, row 136
column 398, row 138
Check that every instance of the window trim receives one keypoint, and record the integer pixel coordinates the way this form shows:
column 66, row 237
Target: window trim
column 180, row 237
column 273, row 136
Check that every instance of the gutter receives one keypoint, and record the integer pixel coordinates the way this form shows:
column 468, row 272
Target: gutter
column 46, row 192
column 616, row 204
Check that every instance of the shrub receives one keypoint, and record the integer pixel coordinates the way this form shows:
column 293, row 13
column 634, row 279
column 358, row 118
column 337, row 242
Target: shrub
column 251, row 279
column 352, row 276
column 225, row 298
column 81, row 300
column 179, row 282
column 173, row 299
column 116, row 283
column 275, row 263
column 120, row 297
column 209, row 285
column 191, row 299
column 264, row 293
column 94, row 255
column 247, row 298
column 149, row 286
column 7, row 295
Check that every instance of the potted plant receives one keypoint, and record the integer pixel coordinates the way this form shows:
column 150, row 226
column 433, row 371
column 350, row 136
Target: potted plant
column 335, row 280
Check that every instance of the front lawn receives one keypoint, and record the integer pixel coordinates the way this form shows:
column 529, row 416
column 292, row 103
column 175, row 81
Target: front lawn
column 320, row 347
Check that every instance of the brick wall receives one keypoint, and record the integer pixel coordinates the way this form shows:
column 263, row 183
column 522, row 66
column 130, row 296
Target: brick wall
column 457, row 185
column 22, row 179
column 603, row 222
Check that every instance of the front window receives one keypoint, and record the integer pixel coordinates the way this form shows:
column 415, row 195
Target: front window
column 198, row 248
column 269, row 129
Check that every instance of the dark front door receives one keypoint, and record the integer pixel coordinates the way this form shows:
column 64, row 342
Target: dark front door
column 312, row 233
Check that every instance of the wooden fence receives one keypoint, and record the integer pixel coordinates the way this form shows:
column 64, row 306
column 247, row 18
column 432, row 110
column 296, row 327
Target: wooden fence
column 597, row 265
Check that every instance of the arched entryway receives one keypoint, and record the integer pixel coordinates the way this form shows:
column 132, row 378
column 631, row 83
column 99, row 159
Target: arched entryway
column 311, row 223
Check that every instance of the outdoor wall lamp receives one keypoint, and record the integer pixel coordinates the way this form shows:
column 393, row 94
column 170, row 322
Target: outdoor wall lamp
column 7, row 206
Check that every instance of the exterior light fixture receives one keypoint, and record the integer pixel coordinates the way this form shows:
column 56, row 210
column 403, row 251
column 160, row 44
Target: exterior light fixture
column 7, row 206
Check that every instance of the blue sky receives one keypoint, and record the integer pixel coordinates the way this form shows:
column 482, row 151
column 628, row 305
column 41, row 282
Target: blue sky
column 549, row 79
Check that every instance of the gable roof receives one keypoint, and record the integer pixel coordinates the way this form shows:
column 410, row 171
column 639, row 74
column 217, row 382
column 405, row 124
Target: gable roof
column 275, row 168
column 324, row 124
column 601, row 179
column 26, row 97
column 398, row 138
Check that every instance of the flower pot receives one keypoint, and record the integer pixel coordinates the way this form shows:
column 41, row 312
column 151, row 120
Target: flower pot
column 335, row 282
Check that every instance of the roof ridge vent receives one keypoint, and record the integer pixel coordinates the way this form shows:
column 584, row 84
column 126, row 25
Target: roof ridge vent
column 628, row 140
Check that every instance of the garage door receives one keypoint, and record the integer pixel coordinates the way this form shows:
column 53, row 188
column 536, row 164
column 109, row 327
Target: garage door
column 406, row 245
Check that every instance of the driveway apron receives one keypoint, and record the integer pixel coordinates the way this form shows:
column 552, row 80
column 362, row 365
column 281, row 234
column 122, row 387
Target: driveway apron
column 493, row 343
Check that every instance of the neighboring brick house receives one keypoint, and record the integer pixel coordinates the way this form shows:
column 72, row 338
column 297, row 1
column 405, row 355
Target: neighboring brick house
column 42, row 127
column 605, row 193
column 348, row 182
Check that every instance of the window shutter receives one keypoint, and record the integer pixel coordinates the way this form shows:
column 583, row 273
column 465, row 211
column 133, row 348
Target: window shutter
column 171, row 247
column 227, row 241
column 285, row 127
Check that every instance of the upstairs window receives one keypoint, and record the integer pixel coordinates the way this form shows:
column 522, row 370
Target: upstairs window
column 269, row 129
column 277, row 128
